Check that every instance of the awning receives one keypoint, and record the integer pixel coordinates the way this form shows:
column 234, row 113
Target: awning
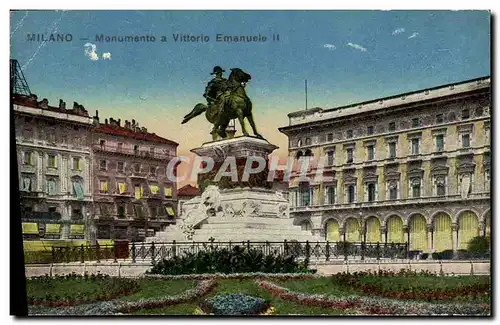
column 77, row 229
column 168, row 192
column 138, row 192
column 77, row 186
column 155, row 189
column 26, row 184
column 105, row 208
column 52, row 228
column 170, row 211
column 122, row 188
column 30, row 228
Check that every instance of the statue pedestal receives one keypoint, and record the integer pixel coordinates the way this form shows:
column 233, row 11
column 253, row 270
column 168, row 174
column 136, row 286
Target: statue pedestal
column 239, row 149
column 240, row 210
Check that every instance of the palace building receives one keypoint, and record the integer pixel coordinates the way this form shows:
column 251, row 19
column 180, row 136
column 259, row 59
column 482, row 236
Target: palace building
column 133, row 197
column 412, row 168
column 53, row 154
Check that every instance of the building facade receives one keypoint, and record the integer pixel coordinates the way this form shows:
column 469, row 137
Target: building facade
column 133, row 197
column 412, row 168
column 53, row 155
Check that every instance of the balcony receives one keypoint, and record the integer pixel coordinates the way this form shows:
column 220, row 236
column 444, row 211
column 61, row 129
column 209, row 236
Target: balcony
column 132, row 152
column 391, row 203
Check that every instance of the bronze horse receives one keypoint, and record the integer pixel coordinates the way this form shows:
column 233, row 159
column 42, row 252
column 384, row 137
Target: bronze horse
column 236, row 105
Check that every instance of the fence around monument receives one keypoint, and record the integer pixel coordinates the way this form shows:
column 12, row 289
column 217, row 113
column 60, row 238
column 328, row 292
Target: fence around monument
column 313, row 251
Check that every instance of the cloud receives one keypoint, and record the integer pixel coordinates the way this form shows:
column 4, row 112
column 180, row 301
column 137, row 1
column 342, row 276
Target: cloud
column 90, row 51
column 331, row 47
column 106, row 55
column 415, row 34
column 357, row 47
column 397, row 31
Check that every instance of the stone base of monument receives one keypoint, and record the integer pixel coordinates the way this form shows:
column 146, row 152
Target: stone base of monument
column 235, row 210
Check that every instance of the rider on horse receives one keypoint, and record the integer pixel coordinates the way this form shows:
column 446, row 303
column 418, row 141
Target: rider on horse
column 217, row 91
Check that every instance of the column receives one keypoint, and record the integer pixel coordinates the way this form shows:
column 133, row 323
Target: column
column 454, row 237
column 342, row 234
column 482, row 228
column 383, row 230
column 429, row 241
column 406, row 230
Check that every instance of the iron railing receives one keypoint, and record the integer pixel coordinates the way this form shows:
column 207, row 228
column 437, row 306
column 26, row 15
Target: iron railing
column 314, row 251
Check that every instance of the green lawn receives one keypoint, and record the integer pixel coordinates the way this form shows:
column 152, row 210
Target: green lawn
column 249, row 287
column 150, row 287
column 68, row 287
column 157, row 287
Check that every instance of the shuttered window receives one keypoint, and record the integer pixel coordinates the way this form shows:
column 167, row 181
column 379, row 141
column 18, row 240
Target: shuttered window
column 418, row 233
column 442, row 233
column 332, row 231
column 468, row 228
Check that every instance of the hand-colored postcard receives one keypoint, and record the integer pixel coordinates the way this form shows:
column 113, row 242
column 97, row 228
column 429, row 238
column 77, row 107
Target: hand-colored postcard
column 191, row 162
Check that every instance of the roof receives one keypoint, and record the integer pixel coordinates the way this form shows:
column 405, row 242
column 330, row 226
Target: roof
column 316, row 114
column 25, row 101
column 122, row 131
column 188, row 190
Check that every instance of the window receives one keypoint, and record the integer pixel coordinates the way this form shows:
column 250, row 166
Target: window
column 439, row 118
column 371, row 152
column 306, row 196
column 349, row 155
column 77, row 163
column 393, row 190
column 371, row 192
column 102, row 142
column 121, row 210
column 487, row 180
column 52, row 210
column 329, row 137
column 152, row 150
column 28, row 158
column 152, row 170
column 76, row 214
column 331, row 157
column 349, row 134
column 308, row 141
column 392, row 150
column 136, row 148
column 369, row 130
column 392, row 126
column 120, row 166
column 465, row 114
column 415, row 122
column 52, row 161
column 120, row 146
column 299, row 143
column 51, row 186
column 26, row 184
column 415, row 146
column 415, row 187
column 102, row 164
column 439, row 143
column 137, row 168
column 330, row 195
column 351, row 192
column 440, row 186
column 465, row 140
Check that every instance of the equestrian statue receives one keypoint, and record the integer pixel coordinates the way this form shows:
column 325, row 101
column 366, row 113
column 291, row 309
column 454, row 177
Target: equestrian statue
column 226, row 100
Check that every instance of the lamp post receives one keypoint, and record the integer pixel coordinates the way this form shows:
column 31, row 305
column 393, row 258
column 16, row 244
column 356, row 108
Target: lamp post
column 362, row 226
column 89, row 225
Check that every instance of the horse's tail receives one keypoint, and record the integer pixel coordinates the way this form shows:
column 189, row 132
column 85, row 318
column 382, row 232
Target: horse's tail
column 197, row 110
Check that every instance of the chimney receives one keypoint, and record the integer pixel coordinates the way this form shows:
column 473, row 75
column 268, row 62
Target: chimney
column 106, row 121
column 97, row 114
column 119, row 122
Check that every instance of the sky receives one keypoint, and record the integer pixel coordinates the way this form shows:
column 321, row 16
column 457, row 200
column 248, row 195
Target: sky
column 346, row 57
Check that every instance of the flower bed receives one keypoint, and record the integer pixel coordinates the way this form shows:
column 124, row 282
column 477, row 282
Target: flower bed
column 119, row 307
column 375, row 305
column 412, row 285
column 234, row 304
column 76, row 289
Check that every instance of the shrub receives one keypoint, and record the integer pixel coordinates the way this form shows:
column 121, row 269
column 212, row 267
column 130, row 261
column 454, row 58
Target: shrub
column 224, row 260
column 479, row 245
